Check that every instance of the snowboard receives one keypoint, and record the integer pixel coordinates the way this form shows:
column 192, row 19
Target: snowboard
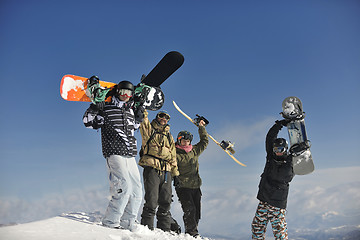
column 76, row 88
column 299, row 143
column 227, row 146
column 147, row 92
column 171, row 62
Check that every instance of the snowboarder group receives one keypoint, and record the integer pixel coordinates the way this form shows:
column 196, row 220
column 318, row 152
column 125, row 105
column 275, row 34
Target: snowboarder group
column 165, row 161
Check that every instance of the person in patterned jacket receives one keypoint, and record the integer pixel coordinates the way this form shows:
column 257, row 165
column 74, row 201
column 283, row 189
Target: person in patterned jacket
column 118, row 123
column 274, row 186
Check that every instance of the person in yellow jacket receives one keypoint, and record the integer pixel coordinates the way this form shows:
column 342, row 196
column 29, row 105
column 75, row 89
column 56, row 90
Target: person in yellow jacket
column 158, row 158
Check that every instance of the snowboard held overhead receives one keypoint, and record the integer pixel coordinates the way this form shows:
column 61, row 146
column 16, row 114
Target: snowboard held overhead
column 147, row 93
column 227, row 146
column 299, row 143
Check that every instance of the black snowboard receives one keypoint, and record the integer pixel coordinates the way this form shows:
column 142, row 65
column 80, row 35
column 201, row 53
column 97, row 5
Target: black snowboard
column 171, row 62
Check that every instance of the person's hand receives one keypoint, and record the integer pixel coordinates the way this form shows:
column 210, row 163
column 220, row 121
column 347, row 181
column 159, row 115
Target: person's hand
column 202, row 123
column 100, row 105
column 93, row 80
column 283, row 122
column 139, row 114
column 176, row 181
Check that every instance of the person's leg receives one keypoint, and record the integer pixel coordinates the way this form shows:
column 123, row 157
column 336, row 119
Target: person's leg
column 278, row 223
column 151, row 186
column 258, row 226
column 132, row 208
column 197, row 201
column 189, row 210
column 165, row 198
column 119, row 190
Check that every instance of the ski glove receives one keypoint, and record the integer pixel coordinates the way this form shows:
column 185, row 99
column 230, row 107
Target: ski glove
column 100, row 105
column 176, row 182
column 139, row 114
column 283, row 122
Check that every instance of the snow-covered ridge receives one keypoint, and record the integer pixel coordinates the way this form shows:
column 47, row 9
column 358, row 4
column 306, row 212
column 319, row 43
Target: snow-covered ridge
column 82, row 226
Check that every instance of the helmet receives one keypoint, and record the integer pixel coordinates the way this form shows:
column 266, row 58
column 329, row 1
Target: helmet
column 125, row 85
column 163, row 114
column 280, row 145
column 184, row 135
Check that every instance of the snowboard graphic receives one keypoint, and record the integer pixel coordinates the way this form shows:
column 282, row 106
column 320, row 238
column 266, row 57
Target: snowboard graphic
column 147, row 93
column 73, row 88
column 299, row 143
column 225, row 145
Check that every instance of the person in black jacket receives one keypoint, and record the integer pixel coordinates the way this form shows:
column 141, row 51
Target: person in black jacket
column 118, row 123
column 274, row 186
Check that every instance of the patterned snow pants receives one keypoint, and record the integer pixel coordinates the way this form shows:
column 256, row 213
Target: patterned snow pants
column 263, row 215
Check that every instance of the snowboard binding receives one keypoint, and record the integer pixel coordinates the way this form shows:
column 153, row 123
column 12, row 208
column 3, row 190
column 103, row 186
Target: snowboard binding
column 227, row 145
column 140, row 93
column 149, row 97
column 94, row 91
column 199, row 118
column 299, row 148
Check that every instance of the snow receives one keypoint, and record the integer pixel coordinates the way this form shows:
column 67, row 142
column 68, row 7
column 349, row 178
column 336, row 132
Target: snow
column 81, row 226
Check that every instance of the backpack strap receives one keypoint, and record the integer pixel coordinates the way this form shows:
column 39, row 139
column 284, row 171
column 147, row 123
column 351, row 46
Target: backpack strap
column 162, row 161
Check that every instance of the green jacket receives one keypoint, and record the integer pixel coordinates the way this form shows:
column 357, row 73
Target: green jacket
column 188, row 163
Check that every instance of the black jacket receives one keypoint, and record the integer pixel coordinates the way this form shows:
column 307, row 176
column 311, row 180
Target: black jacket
column 274, row 183
column 117, row 123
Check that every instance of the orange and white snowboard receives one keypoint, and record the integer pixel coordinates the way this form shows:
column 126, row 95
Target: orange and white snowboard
column 73, row 88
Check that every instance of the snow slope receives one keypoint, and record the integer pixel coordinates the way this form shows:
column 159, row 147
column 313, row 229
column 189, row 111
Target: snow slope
column 80, row 226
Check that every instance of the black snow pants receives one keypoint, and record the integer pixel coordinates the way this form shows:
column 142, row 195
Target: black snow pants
column 190, row 200
column 158, row 195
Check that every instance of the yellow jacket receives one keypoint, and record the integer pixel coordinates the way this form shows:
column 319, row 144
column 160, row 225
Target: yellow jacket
column 160, row 151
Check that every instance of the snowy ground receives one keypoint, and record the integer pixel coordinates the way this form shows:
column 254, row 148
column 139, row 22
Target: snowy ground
column 81, row 226
column 86, row 226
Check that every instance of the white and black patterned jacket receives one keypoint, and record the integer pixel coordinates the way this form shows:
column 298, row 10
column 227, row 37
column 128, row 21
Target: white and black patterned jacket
column 117, row 123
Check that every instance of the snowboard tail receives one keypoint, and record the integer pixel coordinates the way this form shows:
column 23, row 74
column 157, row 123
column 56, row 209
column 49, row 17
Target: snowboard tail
column 171, row 62
column 74, row 88
column 299, row 143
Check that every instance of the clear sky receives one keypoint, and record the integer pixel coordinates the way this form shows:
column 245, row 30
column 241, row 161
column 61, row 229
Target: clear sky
column 242, row 58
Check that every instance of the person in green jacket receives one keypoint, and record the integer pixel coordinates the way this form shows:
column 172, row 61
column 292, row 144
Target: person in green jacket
column 187, row 184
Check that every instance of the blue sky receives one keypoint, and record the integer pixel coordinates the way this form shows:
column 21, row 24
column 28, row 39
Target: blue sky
column 242, row 58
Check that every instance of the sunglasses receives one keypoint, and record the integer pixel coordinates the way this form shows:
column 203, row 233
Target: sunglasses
column 164, row 116
column 125, row 93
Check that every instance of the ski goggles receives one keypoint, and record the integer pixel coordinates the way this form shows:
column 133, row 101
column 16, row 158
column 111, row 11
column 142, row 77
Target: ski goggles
column 125, row 93
column 164, row 116
column 185, row 136
column 279, row 149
